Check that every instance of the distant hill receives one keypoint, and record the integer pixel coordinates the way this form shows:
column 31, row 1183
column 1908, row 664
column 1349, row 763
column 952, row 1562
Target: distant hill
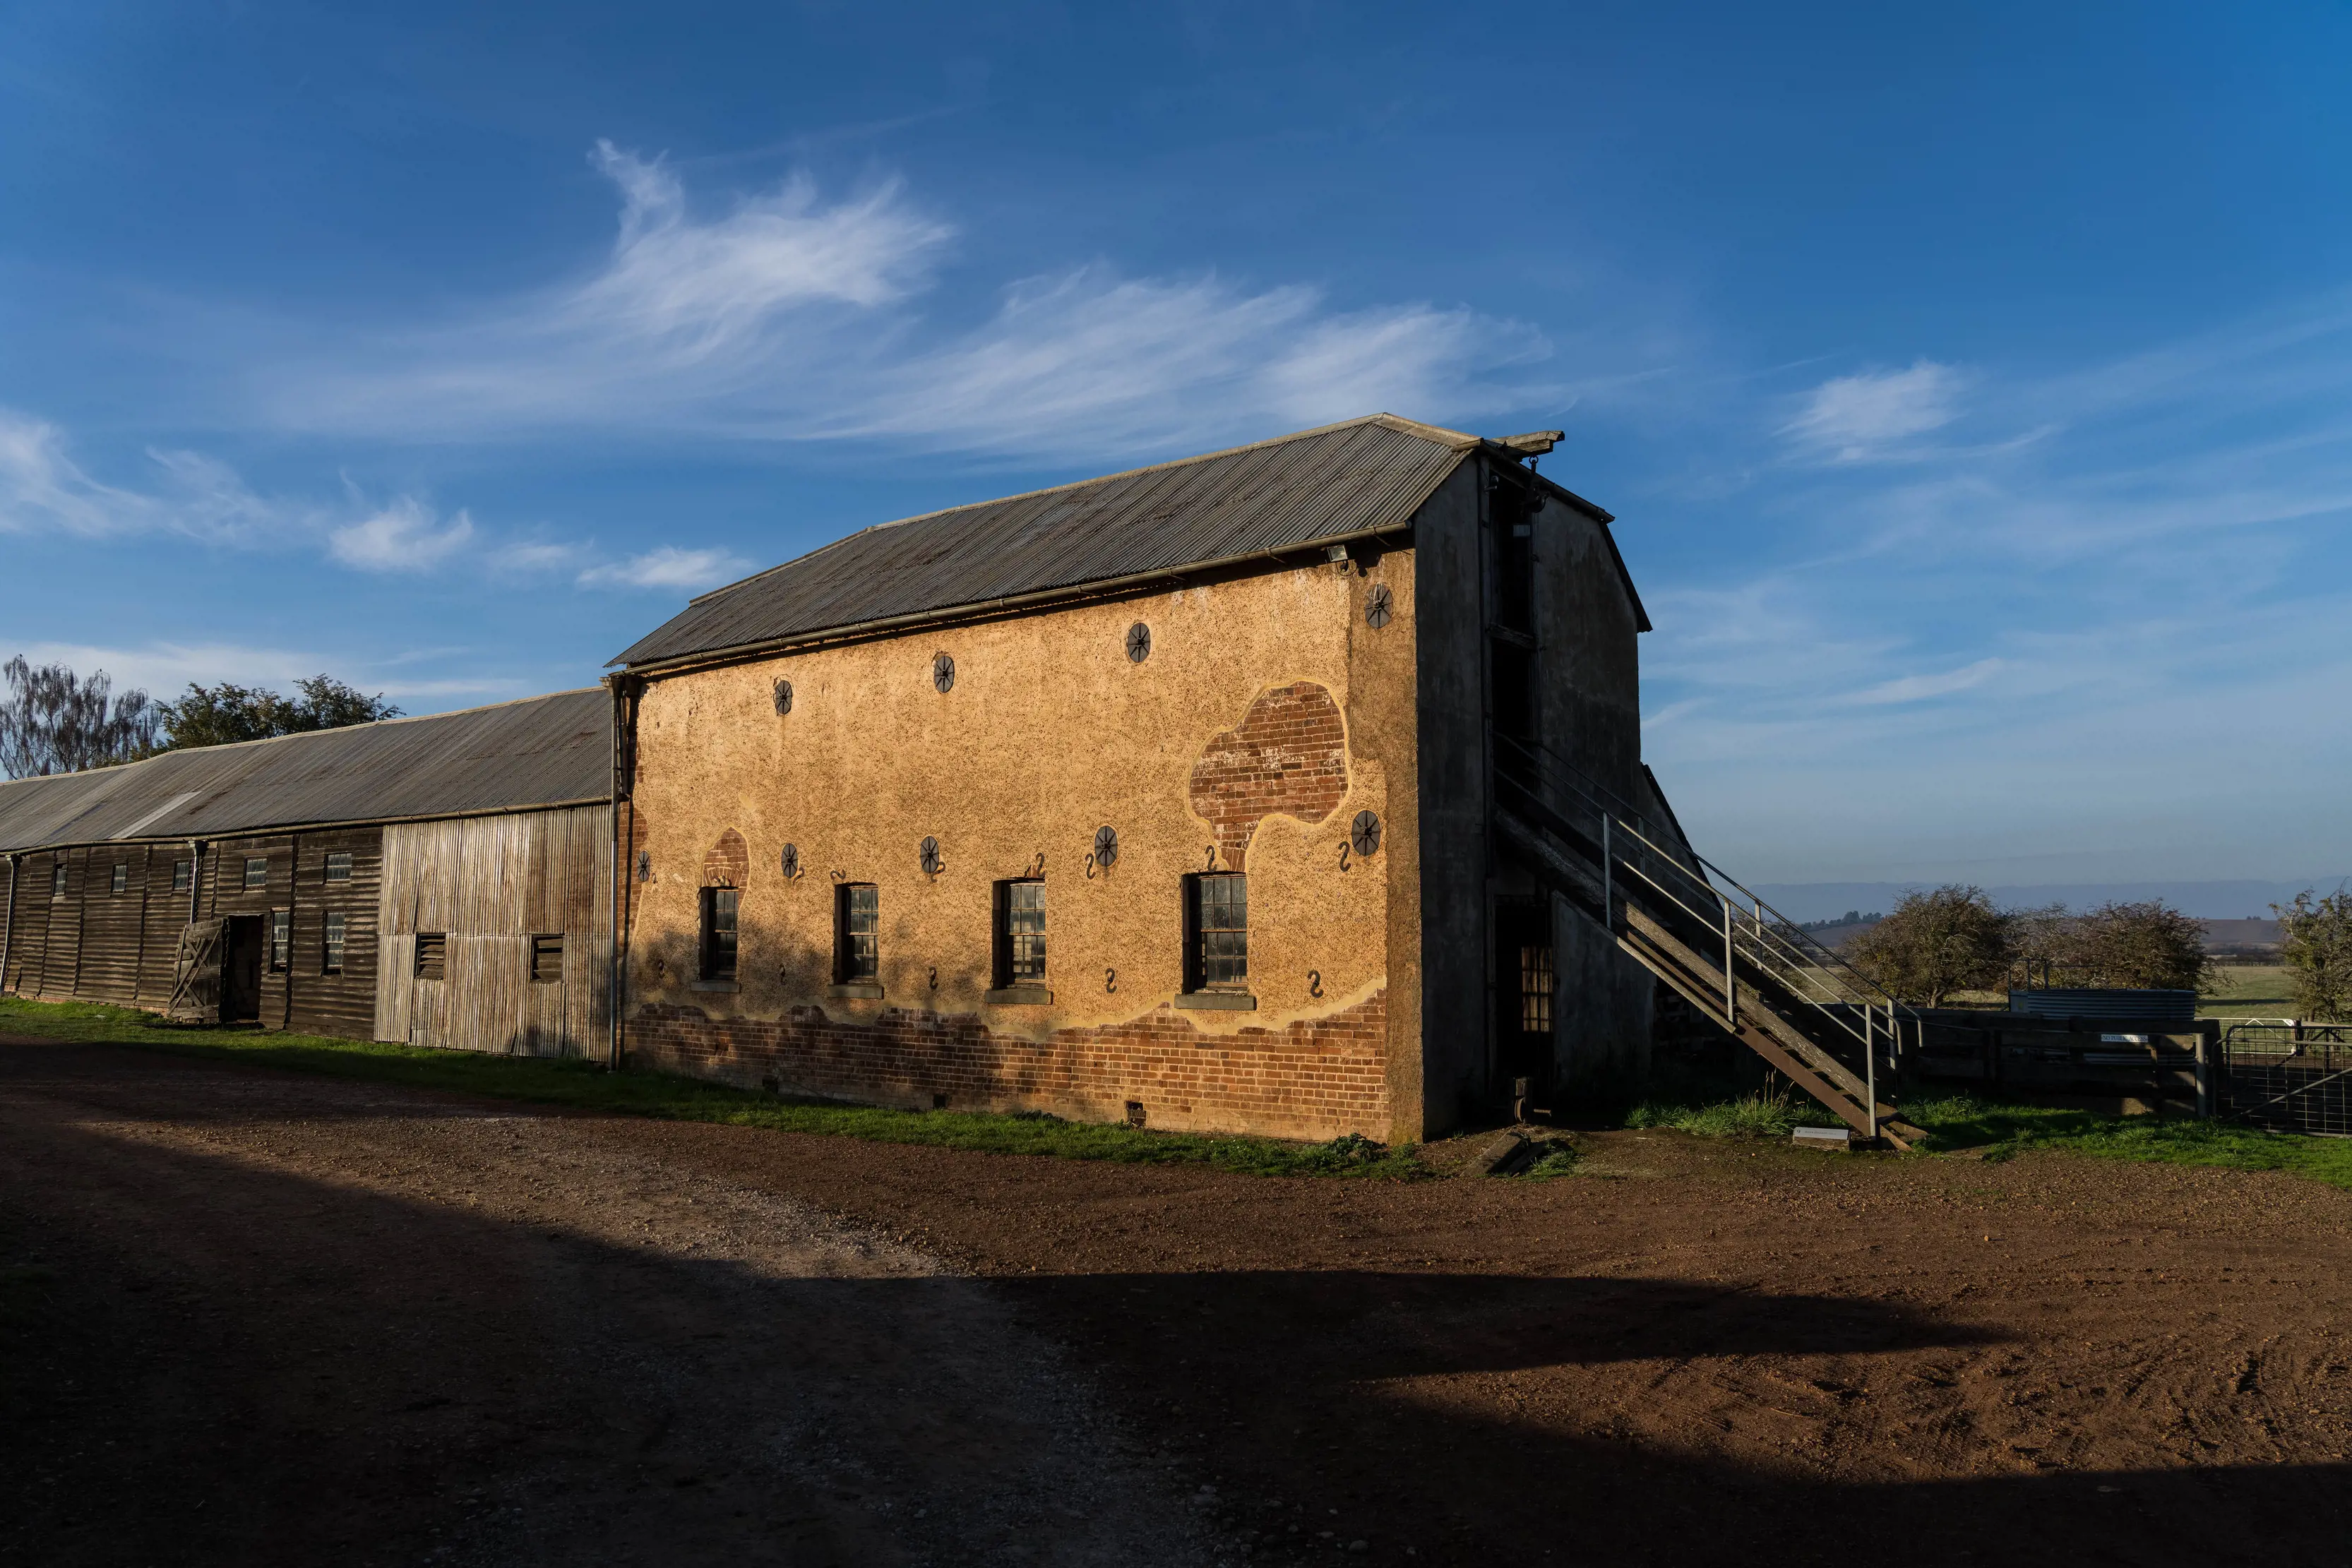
column 1806, row 902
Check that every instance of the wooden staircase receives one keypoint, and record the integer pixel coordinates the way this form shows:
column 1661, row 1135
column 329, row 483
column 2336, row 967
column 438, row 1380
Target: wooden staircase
column 1738, row 962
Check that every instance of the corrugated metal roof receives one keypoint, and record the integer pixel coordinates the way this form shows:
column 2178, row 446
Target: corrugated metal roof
column 1296, row 490
column 541, row 751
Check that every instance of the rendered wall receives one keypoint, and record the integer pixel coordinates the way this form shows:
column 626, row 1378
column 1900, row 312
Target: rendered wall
column 1268, row 715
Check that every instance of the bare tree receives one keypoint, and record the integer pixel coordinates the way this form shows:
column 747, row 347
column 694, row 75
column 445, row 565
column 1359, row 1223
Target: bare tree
column 2317, row 947
column 2140, row 946
column 53, row 721
column 1947, row 939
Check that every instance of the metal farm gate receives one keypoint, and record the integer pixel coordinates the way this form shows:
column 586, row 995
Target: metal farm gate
column 2291, row 1077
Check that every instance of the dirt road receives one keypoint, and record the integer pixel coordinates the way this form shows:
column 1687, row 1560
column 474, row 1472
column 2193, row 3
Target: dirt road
column 261, row 1318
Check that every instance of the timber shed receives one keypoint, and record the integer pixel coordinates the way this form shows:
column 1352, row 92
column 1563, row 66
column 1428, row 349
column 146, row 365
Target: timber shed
column 444, row 881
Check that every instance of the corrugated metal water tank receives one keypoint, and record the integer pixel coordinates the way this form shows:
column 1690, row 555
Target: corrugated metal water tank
column 2107, row 1006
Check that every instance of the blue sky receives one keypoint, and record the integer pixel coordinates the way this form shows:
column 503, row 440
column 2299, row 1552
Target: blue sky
column 1970, row 384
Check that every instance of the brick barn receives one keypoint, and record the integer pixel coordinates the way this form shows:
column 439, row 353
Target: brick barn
column 1165, row 796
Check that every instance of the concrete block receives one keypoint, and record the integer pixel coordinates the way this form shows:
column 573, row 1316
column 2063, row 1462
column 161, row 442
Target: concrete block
column 1823, row 1138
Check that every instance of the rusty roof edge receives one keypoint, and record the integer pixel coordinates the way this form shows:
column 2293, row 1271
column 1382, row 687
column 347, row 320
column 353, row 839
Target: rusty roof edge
column 1435, row 432
column 1073, row 592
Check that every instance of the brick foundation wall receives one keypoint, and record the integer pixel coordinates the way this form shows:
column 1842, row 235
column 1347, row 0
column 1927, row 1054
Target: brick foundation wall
column 1313, row 1078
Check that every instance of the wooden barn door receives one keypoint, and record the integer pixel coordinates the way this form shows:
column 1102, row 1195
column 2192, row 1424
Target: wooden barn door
column 196, row 973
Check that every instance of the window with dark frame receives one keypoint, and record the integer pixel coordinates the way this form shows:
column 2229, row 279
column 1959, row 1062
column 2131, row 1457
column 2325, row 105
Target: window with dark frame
column 57, row 880
column 281, row 939
column 1535, row 988
column 331, row 960
column 182, row 873
column 856, row 932
column 338, row 866
column 1216, row 921
column 432, row 951
column 547, row 959
column 257, row 871
column 1020, row 933
column 122, row 883
column 719, row 933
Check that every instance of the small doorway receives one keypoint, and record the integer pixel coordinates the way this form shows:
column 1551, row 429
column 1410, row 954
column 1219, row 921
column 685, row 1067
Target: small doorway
column 1524, row 987
column 241, row 971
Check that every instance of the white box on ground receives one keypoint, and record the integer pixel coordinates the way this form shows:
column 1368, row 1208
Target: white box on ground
column 1824, row 1137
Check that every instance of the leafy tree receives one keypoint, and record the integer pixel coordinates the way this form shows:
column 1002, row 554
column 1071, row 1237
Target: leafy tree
column 2149, row 945
column 2317, row 946
column 53, row 721
column 1947, row 939
column 218, row 716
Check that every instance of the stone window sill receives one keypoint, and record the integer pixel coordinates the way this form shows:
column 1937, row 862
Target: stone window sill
column 1019, row 996
column 712, row 985
column 869, row 990
column 1216, row 1001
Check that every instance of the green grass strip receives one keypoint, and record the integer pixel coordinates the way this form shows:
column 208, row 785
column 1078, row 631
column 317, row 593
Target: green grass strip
column 589, row 1087
column 2003, row 1129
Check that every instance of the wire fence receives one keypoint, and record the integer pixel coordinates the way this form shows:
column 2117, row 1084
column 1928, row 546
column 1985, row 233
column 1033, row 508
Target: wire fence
column 2289, row 1076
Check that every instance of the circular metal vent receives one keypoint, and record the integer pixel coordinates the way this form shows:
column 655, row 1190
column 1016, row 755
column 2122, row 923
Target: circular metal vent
column 791, row 861
column 783, row 699
column 1364, row 834
column 1138, row 642
column 943, row 671
column 1106, row 846
column 1379, row 606
column 932, row 862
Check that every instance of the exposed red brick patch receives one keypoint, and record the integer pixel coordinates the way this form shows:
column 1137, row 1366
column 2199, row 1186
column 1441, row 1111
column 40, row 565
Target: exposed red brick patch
column 728, row 862
column 1314, row 1077
column 1289, row 757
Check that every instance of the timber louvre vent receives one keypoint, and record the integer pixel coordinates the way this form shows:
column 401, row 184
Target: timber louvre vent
column 432, row 952
column 547, row 959
column 943, row 671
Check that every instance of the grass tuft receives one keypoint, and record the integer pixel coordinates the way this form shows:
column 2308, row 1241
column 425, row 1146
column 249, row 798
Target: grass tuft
column 1765, row 1114
column 586, row 1086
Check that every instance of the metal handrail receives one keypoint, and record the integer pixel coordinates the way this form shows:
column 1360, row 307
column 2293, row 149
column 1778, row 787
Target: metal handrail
column 1772, row 943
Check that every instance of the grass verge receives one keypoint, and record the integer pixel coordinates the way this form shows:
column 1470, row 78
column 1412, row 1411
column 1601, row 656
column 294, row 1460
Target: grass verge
column 2002, row 1129
column 1999, row 1130
column 585, row 1086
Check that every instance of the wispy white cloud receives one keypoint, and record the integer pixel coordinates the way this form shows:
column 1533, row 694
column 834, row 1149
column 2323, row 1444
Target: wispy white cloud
column 2065, row 636
column 406, row 536
column 790, row 316
column 1918, row 688
column 43, row 489
column 1856, row 418
column 166, row 669
column 668, row 568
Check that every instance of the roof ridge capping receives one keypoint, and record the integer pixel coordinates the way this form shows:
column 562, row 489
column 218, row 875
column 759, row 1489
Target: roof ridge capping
column 1456, row 439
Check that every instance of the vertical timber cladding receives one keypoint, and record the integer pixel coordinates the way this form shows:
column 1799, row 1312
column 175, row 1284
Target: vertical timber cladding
column 1048, row 732
column 487, row 887
column 336, row 1001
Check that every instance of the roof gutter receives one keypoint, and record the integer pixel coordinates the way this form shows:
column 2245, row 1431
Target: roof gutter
column 1080, row 593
